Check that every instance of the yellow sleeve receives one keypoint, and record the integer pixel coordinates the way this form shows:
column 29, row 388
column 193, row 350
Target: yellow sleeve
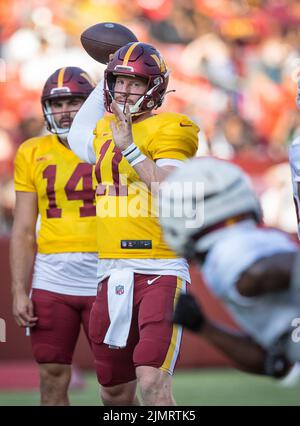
column 23, row 171
column 176, row 139
column 101, row 130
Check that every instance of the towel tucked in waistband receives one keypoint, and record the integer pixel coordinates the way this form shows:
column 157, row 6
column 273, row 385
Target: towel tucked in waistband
column 120, row 301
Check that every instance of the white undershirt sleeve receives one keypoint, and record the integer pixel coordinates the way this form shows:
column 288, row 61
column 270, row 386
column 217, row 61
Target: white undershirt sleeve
column 81, row 134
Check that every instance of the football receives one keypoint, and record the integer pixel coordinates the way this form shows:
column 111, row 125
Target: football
column 102, row 39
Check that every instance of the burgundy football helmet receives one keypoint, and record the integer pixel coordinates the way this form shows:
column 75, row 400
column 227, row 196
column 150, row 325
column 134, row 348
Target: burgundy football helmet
column 138, row 60
column 64, row 83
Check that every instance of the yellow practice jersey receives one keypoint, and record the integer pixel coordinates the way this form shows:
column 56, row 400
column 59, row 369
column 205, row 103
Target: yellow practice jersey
column 127, row 222
column 65, row 188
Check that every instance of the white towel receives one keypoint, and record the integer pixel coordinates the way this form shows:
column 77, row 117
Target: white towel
column 120, row 300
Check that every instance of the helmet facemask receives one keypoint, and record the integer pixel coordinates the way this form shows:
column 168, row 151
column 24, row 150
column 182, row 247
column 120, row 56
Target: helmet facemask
column 52, row 122
column 146, row 101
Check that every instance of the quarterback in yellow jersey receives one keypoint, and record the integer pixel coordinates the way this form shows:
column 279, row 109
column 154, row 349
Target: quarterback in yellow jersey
column 139, row 276
column 54, row 186
column 125, row 209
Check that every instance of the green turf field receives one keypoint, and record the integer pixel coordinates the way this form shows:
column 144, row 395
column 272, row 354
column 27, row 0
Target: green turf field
column 192, row 387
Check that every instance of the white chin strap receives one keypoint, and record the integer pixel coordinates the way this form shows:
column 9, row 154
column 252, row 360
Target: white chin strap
column 62, row 132
column 135, row 109
column 132, row 108
column 63, row 136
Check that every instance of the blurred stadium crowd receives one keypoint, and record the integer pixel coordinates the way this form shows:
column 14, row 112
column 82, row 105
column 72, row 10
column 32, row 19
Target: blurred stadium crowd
column 234, row 66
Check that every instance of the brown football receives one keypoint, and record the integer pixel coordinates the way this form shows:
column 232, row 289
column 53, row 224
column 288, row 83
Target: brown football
column 102, row 39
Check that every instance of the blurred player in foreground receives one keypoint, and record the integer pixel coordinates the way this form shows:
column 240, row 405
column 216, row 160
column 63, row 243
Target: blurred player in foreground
column 139, row 276
column 52, row 184
column 252, row 269
column 294, row 159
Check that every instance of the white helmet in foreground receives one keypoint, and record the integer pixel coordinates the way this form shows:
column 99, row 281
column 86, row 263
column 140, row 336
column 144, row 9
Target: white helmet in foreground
column 201, row 198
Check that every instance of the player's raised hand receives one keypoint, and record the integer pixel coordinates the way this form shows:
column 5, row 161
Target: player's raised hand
column 188, row 313
column 122, row 128
column 23, row 310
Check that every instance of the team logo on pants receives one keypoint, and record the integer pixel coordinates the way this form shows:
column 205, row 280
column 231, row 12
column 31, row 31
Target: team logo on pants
column 119, row 289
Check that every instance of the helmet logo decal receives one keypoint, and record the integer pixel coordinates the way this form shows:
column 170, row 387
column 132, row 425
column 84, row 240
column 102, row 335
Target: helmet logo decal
column 60, row 78
column 160, row 63
column 88, row 78
column 129, row 52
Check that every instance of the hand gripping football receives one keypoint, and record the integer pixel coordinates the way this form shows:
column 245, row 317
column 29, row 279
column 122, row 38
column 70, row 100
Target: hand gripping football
column 102, row 39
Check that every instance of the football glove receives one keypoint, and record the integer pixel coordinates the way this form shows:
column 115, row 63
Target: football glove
column 188, row 313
